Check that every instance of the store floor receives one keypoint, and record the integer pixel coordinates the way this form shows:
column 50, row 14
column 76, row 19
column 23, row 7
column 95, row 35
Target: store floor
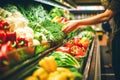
column 106, row 72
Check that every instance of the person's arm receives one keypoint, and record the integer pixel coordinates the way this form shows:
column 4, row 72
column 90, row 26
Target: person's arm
column 97, row 19
column 72, row 25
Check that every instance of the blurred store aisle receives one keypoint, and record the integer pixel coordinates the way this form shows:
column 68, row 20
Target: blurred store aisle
column 103, row 42
column 106, row 72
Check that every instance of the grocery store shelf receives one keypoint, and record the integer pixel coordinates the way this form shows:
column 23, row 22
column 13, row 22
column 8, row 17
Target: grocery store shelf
column 88, row 63
column 85, row 11
column 98, row 63
column 88, row 2
column 24, row 67
column 88, row 9
column 71, row 2
column 67, row 3
column 92, row 69
column 51, row 3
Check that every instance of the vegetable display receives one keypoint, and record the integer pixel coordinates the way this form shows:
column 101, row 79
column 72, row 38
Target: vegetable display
column 48, row 70
column 34, row 13
column 55, row 12
column 27, row 26
column 9, row 42
column 76, row 47
column 28, row 30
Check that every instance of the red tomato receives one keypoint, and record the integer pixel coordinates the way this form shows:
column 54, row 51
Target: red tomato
column 77, row 51
column 77, row 42
column 80, row 54
column 70, row 43
column 85, row 41
column 63, row 49
column 85, row 46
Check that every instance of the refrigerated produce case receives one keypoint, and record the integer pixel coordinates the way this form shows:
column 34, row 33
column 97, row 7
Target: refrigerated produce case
column 91, row 69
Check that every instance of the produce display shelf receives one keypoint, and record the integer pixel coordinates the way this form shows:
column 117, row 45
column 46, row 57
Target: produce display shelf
column 74, row 11
column 92, row 68
column 16, row 71
column 88, row 62
column 51, row 3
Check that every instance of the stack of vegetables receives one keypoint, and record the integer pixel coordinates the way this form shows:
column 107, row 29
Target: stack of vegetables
column 23, row 26
column 46, row 31
column 49, row 70
column 66, row 58
column 54, row 12
column 26, row 26
column 74, row 51
column 61, row 16
column 76, row 47
column 12, row 37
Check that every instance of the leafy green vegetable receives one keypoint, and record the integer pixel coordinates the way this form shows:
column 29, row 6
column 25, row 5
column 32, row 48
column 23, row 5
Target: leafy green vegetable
column 65, row 60
column 11, row 8
column 57, row 12
column 34, row 13
column 71, row 34
column 77, row 74
column 54, row 29
column 87, row 34
column 40, row 48
column 39, row 36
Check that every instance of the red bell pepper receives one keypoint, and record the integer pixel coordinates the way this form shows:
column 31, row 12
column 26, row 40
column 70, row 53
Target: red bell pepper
column 85, row 46
column 77, row 42
column 4, row 25
column 4, row 60
column 63, row 49
column 85, row 43
column 80, row 53
column 70, row 43
column 2, row 36
column 76, row 51
column 21, row 42
column 6, row 47
column 11, row 36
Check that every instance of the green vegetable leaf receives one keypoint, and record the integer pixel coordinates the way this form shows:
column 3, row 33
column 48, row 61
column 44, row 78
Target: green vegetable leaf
column 65, row 60
column 40, row 48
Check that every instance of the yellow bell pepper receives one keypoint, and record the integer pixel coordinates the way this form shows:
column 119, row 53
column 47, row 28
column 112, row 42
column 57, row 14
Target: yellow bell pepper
column 48, row 63
column 61, row 74
column 41, row 73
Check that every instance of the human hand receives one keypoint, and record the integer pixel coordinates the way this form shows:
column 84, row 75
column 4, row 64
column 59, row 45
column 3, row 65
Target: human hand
column 70, row 26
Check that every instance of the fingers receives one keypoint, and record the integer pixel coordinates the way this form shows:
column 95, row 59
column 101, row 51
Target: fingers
column 66, row 31
column 70, row 26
